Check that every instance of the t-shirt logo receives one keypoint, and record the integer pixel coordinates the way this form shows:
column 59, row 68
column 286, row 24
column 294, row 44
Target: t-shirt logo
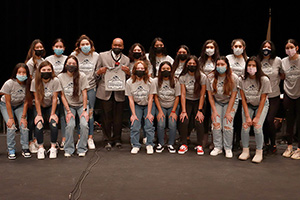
column 140, row 93
column 190, row 86
column 293, row 73
column 115, row 83
column 267, row 68
column 48, row 92
column 166, row 92
column 68, row 89
column 220, row 87
column 18, row 95
column 86, row 66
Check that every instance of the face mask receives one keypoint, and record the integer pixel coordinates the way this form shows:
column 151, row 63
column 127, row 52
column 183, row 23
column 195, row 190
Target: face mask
column 21, row 77
column 39, row 52
column 191, row 68
column 210, row 52
column 139, row 73
column 238, row 51
column 137, row 55
column 221, row 69
column 266, row 51
column 58, row 51
column 86, row 49
column 251, row 70
column 117, row 51
column 71, row 68
column 46, row 75
column 159, row 49
column 182, row 57
column 290, row 52
column 165, row 73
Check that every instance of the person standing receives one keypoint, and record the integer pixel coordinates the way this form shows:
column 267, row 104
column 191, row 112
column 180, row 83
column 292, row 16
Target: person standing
column 112, row 101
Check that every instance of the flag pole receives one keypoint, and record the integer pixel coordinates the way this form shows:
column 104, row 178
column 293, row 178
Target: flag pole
column 269, row 26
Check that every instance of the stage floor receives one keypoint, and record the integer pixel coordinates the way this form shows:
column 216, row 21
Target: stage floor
column 120, row 175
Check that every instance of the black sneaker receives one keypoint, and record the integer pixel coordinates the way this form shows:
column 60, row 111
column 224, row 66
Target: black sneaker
column 108, row 147
column 171, row 149
column 12, row 155
column 26, row 153
column 159, row 148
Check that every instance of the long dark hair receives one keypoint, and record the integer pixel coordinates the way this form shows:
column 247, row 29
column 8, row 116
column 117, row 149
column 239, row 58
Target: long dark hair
column 260, row 55
column 31, row 52
column 259, row 73
column 228, row 82
column 176, row 60
column 130, row 53
column 197, row 74
column 152, row 55
column 76, row 75
column 244, row 45
column 160, row 77
column 204, row 57
column 28, row 95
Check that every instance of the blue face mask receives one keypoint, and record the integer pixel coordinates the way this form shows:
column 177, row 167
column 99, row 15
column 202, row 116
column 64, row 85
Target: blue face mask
column 86, row 49
column 21, row 77
column 221, row 70
column 58, row 51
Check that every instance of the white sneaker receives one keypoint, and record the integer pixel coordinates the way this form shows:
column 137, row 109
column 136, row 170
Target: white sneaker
column 135, row 150
column 81, row 154
column 91, row 143
column 41, row 153
column 33, row 148
column 67, row 155
column 53, row 152
column 216, row 152
column 228, row 153
column 149, row 149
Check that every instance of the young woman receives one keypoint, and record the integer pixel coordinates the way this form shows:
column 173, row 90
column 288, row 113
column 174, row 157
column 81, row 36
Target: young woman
column 57, row 60
column 237, row 62
column 14, row 102
column 193, row 86
column 87, row 58
column 74, row 97
column 158, row 54
column 45, row 88
column 183, row 52
column 271, row 66
column 35, row 56
column 291, row 101
column 166, row 100
column 254, row 88
column 222, row 92
column 140, row 89
column 137, row 52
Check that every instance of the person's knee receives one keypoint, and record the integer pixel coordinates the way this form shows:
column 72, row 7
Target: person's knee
column 257, row 129
column 228, row 128
column 39, row 125
column 245, row 126
column 216, row 126
column 71, row 123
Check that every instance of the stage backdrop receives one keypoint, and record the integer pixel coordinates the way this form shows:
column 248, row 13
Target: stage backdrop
column 177, row 22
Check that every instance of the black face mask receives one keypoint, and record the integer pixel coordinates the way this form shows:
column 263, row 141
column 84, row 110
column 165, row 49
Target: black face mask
column 39, row 52
column 182, row 57
column 139, row 73
column 191, row 68
column 159, row 49
column 137, row 55
column 117, row 51
column 46, row 75
column 165, row 73
column 71, row 68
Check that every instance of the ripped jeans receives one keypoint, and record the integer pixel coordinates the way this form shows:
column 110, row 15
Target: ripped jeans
column 39, row 127
column 258, row 130
column 11, row 132
column 223, row 131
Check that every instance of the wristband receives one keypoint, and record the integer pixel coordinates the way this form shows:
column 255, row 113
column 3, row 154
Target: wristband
column 173, row 111
column 200, row 110
column 183, row 112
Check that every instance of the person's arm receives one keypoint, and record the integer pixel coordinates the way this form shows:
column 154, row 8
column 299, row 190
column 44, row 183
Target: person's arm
column 99, row 69
column 160, row 115
column 53, row 109
column 11, row 119
column 66, row 105
column 133, row 116
column 150, row 102
column 263, row 98
column 173, row 115
column 214, row 113
column 84, row 112
column 39, row 116
column 230, row 106
column 183, row 113
column 199, row 115
column 246, row 111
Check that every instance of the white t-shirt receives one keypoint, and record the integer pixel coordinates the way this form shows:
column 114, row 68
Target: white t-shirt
column 57, row 62
column 17, row 92
column 291, row 82
column 189, row 82
column 166, row 94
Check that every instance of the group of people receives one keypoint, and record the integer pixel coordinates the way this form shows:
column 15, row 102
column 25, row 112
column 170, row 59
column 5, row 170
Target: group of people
column 225, row 94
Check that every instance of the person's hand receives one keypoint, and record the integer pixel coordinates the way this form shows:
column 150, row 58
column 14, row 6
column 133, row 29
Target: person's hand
column 248, row 123
column 173, row 117
column 160, row 116
column 125, row 69
column 38, row 118
column 10, row 122
column 24, row 122
column 182, row 116
column 102, row 70
column 199, row 116
column 214, row 116
column 85, row 115
column 54, row 117
column 255, row 121
column 150, row 117
column 69, row 116
column 228, row 118
column 133, row 118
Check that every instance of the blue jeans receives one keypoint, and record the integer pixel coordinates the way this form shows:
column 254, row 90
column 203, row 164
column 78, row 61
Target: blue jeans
column 91, row 95
column 223, row 131
column 11, row 132
column 84, row 129
column 161, row 125
column 141, row 113
column 259, row 137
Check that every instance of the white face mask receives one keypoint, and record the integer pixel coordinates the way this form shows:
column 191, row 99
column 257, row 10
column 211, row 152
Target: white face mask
column 210, row 52
column 238, row 51
column 291, row 52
